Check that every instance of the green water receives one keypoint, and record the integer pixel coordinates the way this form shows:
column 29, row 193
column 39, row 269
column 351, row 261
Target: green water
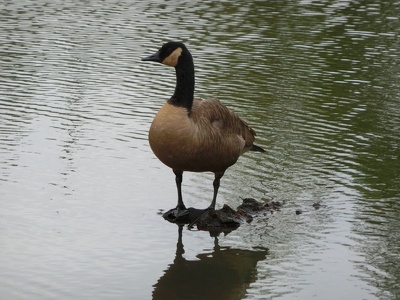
column 81, row 191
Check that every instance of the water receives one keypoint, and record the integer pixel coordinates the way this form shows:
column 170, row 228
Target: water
column 81, row 193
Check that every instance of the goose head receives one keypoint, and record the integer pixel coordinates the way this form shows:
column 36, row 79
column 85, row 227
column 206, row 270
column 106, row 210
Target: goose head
column 170, row 54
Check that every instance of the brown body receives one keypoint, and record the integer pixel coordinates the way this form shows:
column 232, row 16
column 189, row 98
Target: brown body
column 210, row 138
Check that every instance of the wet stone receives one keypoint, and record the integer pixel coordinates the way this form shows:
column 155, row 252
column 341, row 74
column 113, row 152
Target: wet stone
column 317, row 205
column 225, row 219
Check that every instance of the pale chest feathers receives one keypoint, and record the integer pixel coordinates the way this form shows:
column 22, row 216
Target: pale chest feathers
column 203, row 141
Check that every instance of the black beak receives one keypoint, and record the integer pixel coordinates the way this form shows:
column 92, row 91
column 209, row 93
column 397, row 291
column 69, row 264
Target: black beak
column 154, row 57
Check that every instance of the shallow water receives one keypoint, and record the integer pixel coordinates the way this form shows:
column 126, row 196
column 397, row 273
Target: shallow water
column 81, row 192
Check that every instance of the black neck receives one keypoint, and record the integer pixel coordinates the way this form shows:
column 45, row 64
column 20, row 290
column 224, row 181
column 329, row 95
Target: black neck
column 184, row 90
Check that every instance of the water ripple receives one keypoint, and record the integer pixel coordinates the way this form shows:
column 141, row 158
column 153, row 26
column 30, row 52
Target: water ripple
column 317, row 81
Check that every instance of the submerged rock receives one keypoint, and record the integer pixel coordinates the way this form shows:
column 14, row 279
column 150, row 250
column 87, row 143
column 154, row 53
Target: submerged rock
column 225, row 219
column 317, row 205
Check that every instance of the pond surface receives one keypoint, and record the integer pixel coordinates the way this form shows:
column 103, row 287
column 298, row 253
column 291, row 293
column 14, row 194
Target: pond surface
column 81, row 192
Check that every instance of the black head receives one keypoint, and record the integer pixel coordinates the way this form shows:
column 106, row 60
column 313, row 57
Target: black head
column 168, row 54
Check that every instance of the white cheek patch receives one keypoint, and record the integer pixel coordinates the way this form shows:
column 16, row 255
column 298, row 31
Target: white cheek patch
column 172, row 59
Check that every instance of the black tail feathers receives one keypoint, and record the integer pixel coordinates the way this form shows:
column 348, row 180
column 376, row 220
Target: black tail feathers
column 256, row 148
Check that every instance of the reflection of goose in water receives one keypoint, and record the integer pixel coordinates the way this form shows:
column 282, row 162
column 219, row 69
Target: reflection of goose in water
column 222, row 274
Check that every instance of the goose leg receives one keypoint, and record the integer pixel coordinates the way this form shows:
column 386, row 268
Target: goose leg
column 218, row 176
column 217, row 179
column 179, row 213
column 178, row 180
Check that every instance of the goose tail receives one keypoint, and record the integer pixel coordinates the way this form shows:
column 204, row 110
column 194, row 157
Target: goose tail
column 256, row 148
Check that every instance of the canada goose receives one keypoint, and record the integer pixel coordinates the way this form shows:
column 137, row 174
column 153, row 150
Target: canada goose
column 195, row 135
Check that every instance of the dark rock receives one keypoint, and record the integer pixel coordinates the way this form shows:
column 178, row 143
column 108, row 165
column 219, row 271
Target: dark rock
column 317, row 205
column 299, row 211
column 225, row 219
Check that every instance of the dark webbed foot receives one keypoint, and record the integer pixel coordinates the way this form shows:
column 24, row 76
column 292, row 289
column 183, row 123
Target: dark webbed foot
column 177, row 215
column 183, row 216
column 204, row 212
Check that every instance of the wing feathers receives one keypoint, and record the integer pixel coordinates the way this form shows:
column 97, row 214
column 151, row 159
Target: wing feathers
column 211, row 116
